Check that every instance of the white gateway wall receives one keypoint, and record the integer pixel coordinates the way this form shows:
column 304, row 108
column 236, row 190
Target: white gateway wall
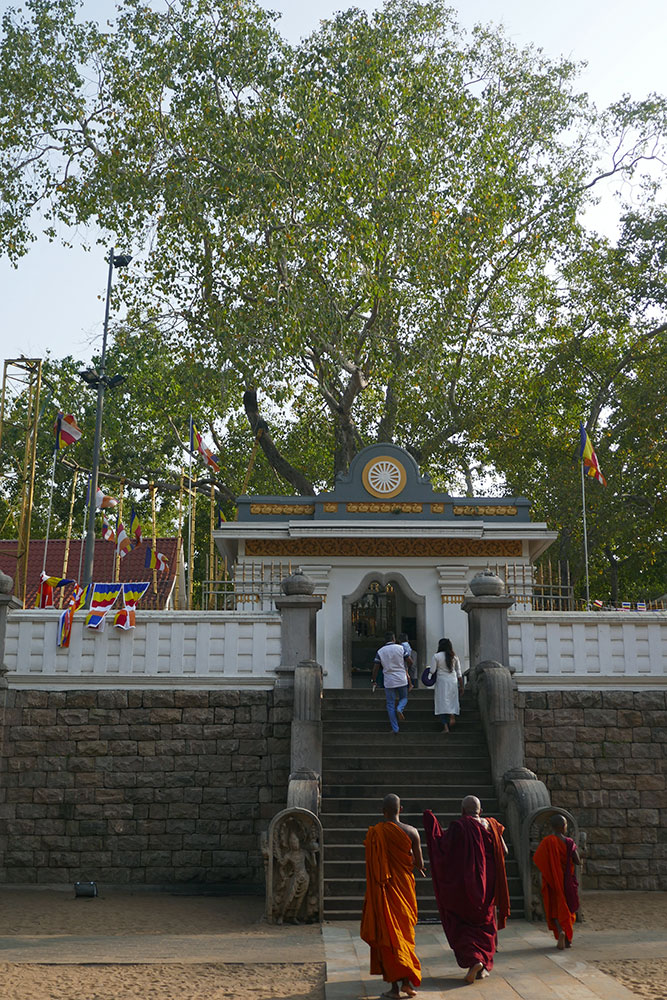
column 166, row 649
column 561, row 650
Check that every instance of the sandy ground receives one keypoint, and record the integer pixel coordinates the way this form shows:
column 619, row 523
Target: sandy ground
column 40, row 912
column 618, row 911
column 162, row 982
column 631, row 911
column 57, row 911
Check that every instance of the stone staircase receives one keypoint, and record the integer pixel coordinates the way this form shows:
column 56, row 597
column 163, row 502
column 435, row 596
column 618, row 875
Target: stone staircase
column 363, row 760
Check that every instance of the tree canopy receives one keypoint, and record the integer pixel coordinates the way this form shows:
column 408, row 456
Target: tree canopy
column 375, row 234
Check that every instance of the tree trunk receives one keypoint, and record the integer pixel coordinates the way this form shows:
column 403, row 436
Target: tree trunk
column 261, row 431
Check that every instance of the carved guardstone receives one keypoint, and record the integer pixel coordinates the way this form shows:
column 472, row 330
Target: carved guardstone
column 294, row 876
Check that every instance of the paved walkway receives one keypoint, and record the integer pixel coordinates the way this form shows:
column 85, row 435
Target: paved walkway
column 527, row 967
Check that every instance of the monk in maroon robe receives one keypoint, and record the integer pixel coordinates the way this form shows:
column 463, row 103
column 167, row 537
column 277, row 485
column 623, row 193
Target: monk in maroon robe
column 470, row 882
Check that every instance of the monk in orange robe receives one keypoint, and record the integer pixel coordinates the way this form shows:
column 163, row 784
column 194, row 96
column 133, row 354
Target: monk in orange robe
column 555, row 855
column 389, row 916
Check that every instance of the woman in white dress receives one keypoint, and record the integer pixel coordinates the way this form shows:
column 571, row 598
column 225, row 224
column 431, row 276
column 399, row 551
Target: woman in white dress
column 448, row 684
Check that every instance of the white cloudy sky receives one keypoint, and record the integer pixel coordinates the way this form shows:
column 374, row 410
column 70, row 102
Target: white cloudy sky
column 51, row 301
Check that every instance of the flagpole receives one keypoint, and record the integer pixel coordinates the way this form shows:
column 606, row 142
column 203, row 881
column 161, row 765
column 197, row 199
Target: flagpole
column 68, row 538
column 116, row 561
column 211, row 551
column 179, row 541
column 83, row 531
column 152, row 489
column 48, row 516
column 190, row 522
column 583, row 507
column 191, row 555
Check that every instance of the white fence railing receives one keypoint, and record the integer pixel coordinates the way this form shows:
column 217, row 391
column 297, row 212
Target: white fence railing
column 187, row 648
column 597, row 649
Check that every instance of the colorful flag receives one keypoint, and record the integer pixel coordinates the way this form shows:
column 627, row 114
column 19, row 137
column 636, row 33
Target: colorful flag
column 47, row 584
column 76, row 601
column 197, row 445
column 221, row 517
column 103, row 599
column 103, row 501
column 108, row 534
column 132, row 594
column 626, row 606
column 156, row 560
column 588, row 456
column 598, row 604
column 66, row 430
column 123, row 541
column 135, row 528
column 641, row 605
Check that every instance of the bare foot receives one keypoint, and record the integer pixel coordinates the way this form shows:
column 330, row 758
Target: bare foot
column 484, row 974
column 445, row 729
column 561, row 941
column 401, row 716
column 452, row 722
column 408, row 989
column 568, row 944
column 392, row 993
column 472, row 972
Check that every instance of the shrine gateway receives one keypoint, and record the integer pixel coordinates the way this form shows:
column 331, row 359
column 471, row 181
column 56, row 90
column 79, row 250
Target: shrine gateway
column 386, row 552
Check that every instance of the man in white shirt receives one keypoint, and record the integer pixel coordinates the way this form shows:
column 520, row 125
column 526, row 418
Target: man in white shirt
column 392, row 658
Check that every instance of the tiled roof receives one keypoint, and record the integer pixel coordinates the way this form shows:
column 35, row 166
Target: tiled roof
column 131, row 567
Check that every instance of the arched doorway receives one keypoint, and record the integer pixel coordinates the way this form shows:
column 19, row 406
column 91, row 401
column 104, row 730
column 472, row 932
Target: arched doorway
column 382, row 603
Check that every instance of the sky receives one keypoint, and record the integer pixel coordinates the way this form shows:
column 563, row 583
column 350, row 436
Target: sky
column 55, row 299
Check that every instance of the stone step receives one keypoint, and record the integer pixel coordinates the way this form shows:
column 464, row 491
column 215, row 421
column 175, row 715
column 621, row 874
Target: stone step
column 349, row 908
column 405, row 740
column 342, row 784
column 406, row 790
column 353, row 886
column 410, row 758
column 436, row 799
column 355, row 868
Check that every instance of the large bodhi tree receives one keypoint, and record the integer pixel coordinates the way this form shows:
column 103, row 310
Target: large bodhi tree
column 374, row 234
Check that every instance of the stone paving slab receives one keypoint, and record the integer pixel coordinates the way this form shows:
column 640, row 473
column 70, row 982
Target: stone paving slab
column 527, row 966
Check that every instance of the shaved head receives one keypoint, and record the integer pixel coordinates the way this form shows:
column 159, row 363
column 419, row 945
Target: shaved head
column 471, row 806
column 391, row 805
column 558, row 823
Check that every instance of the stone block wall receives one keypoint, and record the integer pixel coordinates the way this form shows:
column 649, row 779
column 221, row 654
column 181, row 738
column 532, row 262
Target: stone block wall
column 603, row 756
column 154, row 787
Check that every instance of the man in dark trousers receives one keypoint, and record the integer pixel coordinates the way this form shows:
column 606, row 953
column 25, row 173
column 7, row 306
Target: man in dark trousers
column 393, row 660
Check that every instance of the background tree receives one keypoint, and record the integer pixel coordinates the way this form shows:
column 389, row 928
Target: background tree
column 375, row 234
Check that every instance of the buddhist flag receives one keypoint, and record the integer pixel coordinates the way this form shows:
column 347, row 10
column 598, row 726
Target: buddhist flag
column 197, row 445
column 123, row 541
column 108, row 534
column 156, row 560
column 76, row 601
column 66, row 430
column 135, row 528
column 588, row 456
column 47, row 585
column 132, row 594
column 103, row 599
column 103, row 501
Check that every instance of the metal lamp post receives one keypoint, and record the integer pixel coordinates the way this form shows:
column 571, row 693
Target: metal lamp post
column 99, row 379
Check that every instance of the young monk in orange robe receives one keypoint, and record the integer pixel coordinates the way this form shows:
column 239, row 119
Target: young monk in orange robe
column 551, row 859
column 389, row 916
